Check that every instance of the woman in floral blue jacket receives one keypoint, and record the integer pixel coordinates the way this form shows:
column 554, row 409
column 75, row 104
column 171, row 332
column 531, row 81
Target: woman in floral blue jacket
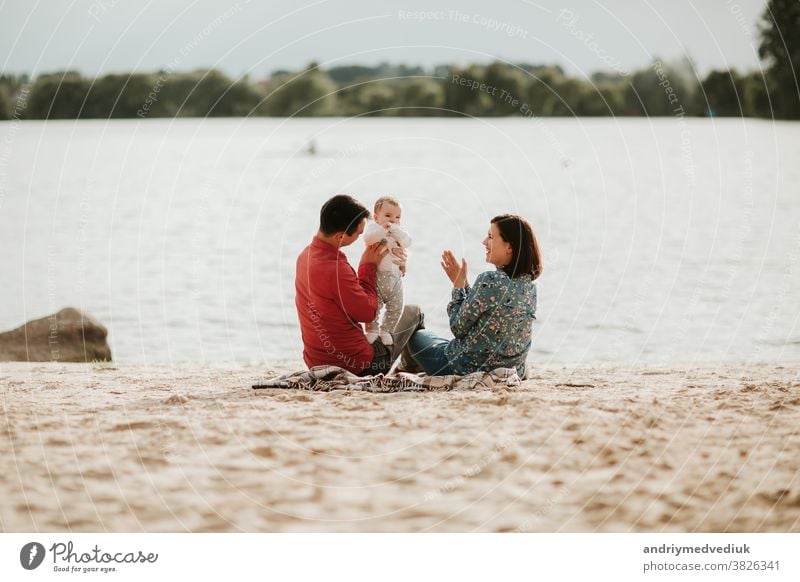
column 491, row 320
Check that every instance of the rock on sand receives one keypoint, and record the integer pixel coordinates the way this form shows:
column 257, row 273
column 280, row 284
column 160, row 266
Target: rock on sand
column 70, row 335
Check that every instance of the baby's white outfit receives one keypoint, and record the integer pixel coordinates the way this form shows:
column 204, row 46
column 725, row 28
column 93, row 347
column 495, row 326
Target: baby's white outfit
column 390, row 281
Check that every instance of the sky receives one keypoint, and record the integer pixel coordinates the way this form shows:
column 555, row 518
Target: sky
column 256, row 37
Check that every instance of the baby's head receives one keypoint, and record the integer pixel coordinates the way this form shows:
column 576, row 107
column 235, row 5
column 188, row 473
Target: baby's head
column 387, row 211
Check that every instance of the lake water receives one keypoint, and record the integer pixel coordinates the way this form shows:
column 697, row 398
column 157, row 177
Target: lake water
column 663, row 240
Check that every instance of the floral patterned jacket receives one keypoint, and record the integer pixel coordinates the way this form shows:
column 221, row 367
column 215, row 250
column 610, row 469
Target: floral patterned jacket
column 492, row 323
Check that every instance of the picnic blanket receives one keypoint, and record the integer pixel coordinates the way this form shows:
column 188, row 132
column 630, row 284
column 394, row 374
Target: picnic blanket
column 327, row 378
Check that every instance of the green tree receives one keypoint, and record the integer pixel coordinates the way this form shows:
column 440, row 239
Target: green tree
column 122, row 96
column 11, row 99
column 176, row 95
column 661, row 89
column 214, row 94
column 601, row 100
column 757, row 95
column 508, row 86
column 347, row 101
column 309, row 93
column 57, row 96
column 644, row 96
column 376, row 98
column 352, row 73
column 723, row 92
column 569, row 93
column 241, row 99
column 5, row 103
column 421, row 97
column 780, row 48
column 542, row 91
column 462, row 91
column 202, row 94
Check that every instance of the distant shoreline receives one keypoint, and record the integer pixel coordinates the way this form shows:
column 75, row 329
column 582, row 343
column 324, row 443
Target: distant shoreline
column 498, row 89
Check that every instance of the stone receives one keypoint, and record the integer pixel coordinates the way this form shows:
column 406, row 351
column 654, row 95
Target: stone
column 70, row 335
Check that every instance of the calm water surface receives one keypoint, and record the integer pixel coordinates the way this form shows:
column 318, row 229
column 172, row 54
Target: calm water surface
column 663, row 240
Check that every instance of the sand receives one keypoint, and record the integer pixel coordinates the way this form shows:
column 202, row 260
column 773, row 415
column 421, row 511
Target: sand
column 579, row 448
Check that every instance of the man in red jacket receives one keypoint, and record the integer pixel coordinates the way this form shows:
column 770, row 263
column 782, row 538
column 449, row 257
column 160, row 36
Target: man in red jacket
column 331, row 299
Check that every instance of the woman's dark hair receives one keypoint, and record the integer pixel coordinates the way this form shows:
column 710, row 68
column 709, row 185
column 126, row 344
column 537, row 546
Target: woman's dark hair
column 526, row 259
column 342, row 213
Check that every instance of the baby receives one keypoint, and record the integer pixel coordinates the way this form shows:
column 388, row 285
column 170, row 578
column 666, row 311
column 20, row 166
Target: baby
column 386, row 228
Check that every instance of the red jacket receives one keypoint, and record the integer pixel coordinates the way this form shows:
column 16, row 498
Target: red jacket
column 330, row 301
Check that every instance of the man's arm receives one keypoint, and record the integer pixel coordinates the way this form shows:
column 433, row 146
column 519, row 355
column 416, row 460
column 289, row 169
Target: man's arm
column 357, row 295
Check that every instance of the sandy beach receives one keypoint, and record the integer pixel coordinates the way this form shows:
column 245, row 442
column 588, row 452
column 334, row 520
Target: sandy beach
column 578, row 448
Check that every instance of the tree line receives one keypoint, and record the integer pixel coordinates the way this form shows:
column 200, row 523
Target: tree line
column 496, row 89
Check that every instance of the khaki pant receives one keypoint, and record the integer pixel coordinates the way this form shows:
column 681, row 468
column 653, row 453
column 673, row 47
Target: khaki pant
column 390, row 295
column 410, row 321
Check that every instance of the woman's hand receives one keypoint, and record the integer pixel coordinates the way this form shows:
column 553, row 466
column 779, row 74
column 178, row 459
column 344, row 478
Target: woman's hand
column 457, row 273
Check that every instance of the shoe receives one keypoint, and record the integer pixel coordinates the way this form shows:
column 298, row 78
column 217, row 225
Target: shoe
column 386, row 338
column 372, row 336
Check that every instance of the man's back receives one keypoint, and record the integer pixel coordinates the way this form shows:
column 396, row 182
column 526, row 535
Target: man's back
column 330, row 301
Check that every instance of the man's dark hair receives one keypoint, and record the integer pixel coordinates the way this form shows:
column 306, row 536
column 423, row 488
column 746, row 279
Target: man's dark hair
column 526, row 258
column 342, row 213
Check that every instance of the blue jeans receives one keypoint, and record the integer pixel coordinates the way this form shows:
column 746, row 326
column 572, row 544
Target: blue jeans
column 428, row 349
column 430, row 352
